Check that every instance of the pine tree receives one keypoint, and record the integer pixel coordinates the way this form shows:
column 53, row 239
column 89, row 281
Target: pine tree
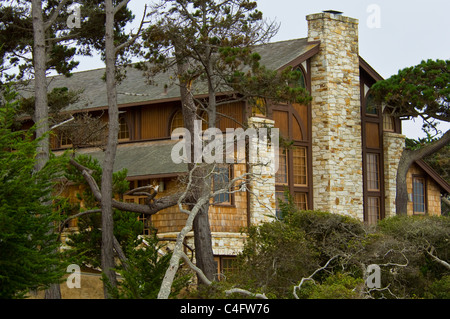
column 27, row 242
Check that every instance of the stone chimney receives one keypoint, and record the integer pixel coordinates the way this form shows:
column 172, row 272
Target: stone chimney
column 336, row 114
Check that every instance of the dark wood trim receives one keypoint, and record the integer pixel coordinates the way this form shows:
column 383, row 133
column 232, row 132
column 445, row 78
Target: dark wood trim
column 434, row 175
column 305, row 56
column 156, row 176
column 368, row 79
column 370, row 71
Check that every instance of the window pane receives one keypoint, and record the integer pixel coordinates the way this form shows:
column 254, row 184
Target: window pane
column 301, row 81
column 299, row 156
column 279, row 196
column 371, row 107
column 388, row 123
column 419, row 195
column 373, row 210
column 301, row 201
column 177, row 121
column 124, row 133
column 373, row 175
column 228, row 265
column 220, row 181
column 281, row 177
column 65, row 140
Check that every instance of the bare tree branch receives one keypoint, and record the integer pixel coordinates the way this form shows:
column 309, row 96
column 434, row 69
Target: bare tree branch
column 120, row 5
column 245, row 293
column 149, row 209
column 430, row 251
column 120, row 253
column 135, row 36
column 55, row 14
column 298, row 287
column 88, row 212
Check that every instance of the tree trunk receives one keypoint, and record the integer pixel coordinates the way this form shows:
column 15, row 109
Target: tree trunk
column 40, row 85
column 204, row 254
column 107, row 253
column 407, row 159
column 401, row 200
column 41, row 105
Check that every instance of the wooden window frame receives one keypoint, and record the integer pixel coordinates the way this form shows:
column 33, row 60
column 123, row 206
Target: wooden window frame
column 305, row 169
column 231, row 197
column 306, row 143
column 124, row 123
column 61, row 137
column 285, row 152
column 370, row 171
column 391, row 119
column 425, row 198
column 378, row 119
column 219, row 261
column 378, row 214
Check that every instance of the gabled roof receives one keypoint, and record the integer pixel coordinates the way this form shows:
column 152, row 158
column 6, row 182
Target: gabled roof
column 135, row 90
column 445, row 187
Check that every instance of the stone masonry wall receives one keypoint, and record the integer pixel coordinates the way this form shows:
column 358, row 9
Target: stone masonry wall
column 262, row 188
column 336, row 118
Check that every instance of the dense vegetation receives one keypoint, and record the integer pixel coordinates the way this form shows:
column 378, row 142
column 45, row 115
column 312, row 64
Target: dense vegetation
column 409, row 251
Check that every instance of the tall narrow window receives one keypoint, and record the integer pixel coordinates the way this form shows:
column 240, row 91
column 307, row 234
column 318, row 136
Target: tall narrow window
column 124, row 132
column 419, row 195
column 299, row 156
column 221, row 179
column 373, row 172
column 177, row 121
column 301, row 81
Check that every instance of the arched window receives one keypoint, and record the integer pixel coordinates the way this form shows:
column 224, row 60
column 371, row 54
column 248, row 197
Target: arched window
column 294, row 153
column 124, row 132
column 371, row 106
column 177, row 121
column 301, row 81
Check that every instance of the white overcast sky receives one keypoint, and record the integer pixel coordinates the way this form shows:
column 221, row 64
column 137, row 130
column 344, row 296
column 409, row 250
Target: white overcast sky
column 407, row 33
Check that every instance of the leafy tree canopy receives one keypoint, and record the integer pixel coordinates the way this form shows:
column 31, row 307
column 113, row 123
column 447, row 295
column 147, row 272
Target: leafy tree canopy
column 418, row 91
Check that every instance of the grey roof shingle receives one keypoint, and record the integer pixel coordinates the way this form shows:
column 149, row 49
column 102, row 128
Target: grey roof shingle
column 145, row 159
column 135, row 88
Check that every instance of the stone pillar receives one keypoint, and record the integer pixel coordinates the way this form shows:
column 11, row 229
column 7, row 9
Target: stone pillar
column 393, row 145
column 336, row 115
column 262, row 187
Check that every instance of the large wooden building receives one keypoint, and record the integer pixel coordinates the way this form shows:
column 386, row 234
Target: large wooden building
column 344, row 154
